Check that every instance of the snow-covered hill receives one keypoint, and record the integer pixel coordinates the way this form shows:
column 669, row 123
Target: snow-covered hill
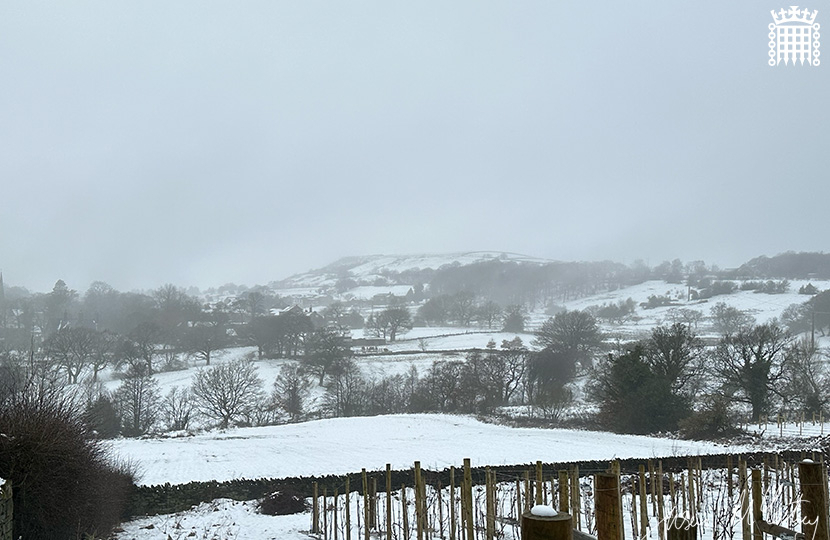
column 370, row 269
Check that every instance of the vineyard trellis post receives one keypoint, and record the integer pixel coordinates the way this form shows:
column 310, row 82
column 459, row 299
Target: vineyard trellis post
column 453, row 518
column 813, row 500
column 388, row 501
column 556, row 527
column 348, row 510
column 607, row 507
column 643, row 504
column 757, row 515
column 564, row 495
column 467, row 501
column 365, row 504
column 315, row 510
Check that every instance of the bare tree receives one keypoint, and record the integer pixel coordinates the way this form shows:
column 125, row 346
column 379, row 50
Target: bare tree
column 327, row 353
column 808, row 378
column 227, row 391
column 103, row 352
column 728, row 320
column 390, row 322
column 137, row 401
column 463, row 308
column 147, row 337
column 752, row 364
column 206, row 336
column 291, row 391
column 346, row 394
column 489, row 313
column 178, row 408
column 71, row 349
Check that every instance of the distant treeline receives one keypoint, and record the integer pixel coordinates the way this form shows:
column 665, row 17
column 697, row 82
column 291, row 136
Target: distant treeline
column 789, row 265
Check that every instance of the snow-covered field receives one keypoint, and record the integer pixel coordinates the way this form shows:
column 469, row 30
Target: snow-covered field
column 345, row 445
column 763, row 307
column 341, row 446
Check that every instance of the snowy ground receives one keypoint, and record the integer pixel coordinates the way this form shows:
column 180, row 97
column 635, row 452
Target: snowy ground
column 340, row 446
column 345, row 445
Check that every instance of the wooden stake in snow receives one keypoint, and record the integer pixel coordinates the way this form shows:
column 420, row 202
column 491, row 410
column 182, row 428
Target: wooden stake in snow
column 564, row 492
column 325, row 513
column 576, row 501
column 315, row 510
column 661, row 533
column 336, row 500
column 545, row 523
column 452, row 504
column 366, row 521
column 757, row 515
column 682, row 529
column 419, row 518
column 746, row 531
column 348, row 511
column 490, row 523
column 388, row 501
column 404, row 513
column 813, row 500
column 643, row 503
column 467, row 500
column 729, row 484
column 607, row 507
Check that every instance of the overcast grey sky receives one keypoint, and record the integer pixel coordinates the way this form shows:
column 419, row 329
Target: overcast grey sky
column 201, row 143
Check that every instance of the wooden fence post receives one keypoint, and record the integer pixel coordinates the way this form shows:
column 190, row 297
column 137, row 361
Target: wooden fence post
column 334, row 525
column 643, row 504
column 373, row 502
column 452, row 503
column 746, row 530
column 672, row 495
column 564, row 492
column 682, row 529
column 757, row 515
column 404, row 513
column 315, row 510
column 366, row 522
column 467, row 501
column 813, row 500
column 555, row 527
column 661, row 523
column 489, row 491
column 348, row 510
column 729, row 484
column 607, row 507
column 576, row 499
column 325, row 513
column 538, row 482
column 419, row 518
column 388, row 501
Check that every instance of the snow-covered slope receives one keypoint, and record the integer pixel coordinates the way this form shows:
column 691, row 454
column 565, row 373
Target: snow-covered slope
column 345, row 445
column 368, row 268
